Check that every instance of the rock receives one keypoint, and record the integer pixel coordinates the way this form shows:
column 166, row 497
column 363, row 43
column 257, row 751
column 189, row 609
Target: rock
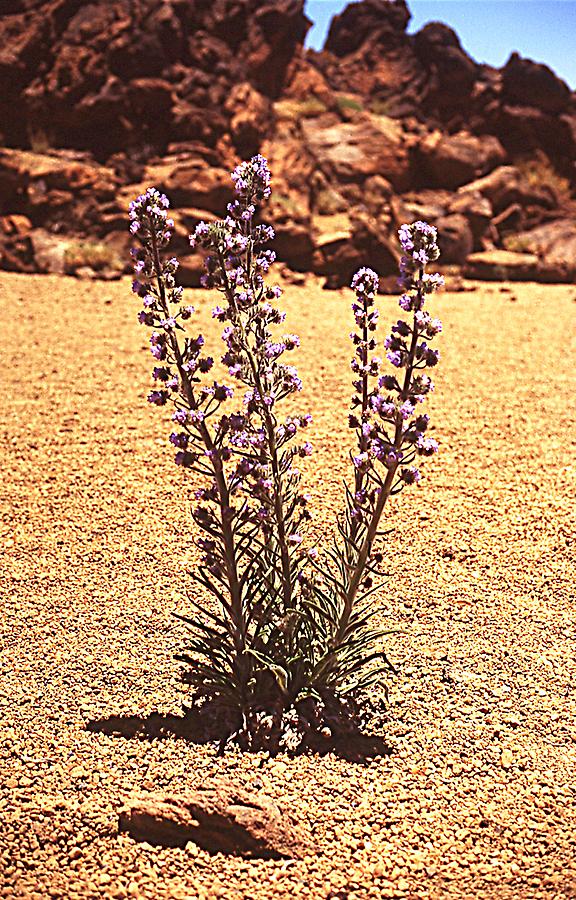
column 477, row 211
column 293, row 245
column 453, row 160
column 555, row 246
column 343, row 245
column 378, row 193
column 502, row 265
column 15, row 225
column 527, row 83
column 38, row 175
column 525, row 130
column 188, row 181
column 354, row 151
column 306, row 81
column 505, row 186
column 454, row 238
column 368, row 53
column 250, row 118
column 160, row 67
column 420, row 205
column 451, row 72
column 190, row 270
column 377, row 21
column 218, row 818
column 49, row 252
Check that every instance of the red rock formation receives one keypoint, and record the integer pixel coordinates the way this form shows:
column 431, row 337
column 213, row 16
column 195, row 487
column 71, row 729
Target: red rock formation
column 99, row 99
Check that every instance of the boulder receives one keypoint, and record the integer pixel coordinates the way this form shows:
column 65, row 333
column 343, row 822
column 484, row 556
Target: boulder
column 250, row 118
column 49, row 252
column 23, row 172
column 188, row 181
column 527, row 83
column 305, row 81
column 275, row 32
column 525, row 129
column 16, row 251
column 454, row 239
column 505, row 186
column 502, row 265
column 190, row 270
column 451, row 72
column 219, row 818
column 450, row 161
column 476, row 209
column 369, row 53
column 344, row 244
column 293, row 245
column 373, row 21
column 15, row 225
column 110, row 74
column 354, row 151
column 554, row 244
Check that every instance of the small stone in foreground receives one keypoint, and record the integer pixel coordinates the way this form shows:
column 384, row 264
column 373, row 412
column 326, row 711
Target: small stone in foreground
column 220, row 818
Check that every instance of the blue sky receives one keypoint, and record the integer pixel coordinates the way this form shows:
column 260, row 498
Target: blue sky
column 543, row 30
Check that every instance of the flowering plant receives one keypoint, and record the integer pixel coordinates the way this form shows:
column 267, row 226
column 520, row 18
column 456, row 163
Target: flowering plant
column 287, row 643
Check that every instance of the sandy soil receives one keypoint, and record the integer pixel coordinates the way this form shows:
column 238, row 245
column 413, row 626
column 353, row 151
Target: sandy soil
column 478, row 796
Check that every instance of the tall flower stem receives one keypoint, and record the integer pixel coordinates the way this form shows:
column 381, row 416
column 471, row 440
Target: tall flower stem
column 236, row 605
column 270, row 427
column 386, row 488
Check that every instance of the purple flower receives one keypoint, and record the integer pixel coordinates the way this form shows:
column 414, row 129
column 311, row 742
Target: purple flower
column 222, row 392
column 179, row 439
column 410, row 475
column 384, row 407
column 361, row 462
column 396, row 358
column 393, row 457
column 158, row 398
column 252, row 179
column 365, row 281
column 407, row 409
column 426, row 446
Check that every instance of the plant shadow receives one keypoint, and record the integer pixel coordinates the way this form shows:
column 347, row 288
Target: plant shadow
column 204, row 726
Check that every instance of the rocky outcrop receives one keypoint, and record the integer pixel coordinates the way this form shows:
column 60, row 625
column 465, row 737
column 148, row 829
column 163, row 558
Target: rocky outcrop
column 100, row 100
column 107, row 76
column 526, row 83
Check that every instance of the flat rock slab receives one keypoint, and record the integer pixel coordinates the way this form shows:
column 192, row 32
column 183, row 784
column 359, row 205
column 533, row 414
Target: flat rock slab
column 220, row 818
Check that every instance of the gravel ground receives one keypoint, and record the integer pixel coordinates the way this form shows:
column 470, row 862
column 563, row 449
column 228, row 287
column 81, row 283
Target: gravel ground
column 477, row 798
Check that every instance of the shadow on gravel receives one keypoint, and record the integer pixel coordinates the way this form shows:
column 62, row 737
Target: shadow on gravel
column 197, row 727
column 193, row 727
